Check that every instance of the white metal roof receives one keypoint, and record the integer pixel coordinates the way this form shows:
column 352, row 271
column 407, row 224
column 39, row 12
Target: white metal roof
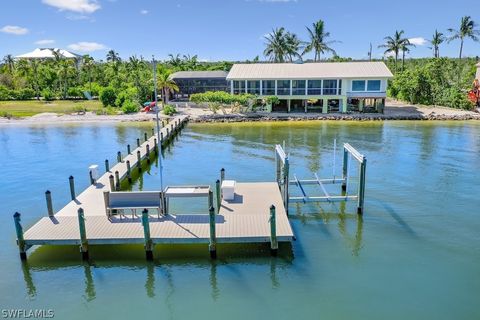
column 198, row 74
column 47, row 53
column 320, row 70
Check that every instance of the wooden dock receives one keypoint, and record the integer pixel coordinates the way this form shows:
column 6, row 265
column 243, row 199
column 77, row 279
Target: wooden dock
column 257, row 214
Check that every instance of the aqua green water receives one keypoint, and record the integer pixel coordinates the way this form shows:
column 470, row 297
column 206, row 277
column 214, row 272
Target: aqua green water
column 414, row 255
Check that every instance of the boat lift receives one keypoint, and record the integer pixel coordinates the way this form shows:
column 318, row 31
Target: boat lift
column 283, row 180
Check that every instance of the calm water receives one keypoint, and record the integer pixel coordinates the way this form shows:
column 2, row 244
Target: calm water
column 414, row 255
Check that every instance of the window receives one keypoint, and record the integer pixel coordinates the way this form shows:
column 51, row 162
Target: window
column 283, row 87
column 314, row 87
column 358, row 85
column 329, row 87
column 253, row 86
column 238, row 87
column 373, row 85
column 268, row 87
column 298, row 87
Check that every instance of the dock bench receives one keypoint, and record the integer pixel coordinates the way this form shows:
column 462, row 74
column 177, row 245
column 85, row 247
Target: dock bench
column 132, row 201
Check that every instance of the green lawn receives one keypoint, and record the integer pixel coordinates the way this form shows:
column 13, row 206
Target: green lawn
column 32, row 107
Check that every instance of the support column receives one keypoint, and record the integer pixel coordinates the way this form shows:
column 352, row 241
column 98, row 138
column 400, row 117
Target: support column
column 83, row 234
column 305, row 104
column 361, row 103
column 325, row 106
column 231, row 87
column 273, row 232
column 212, row 246
column 20, row 241
column 146, row 233
column 288, row 105
column 361, row 186
column 344, row 104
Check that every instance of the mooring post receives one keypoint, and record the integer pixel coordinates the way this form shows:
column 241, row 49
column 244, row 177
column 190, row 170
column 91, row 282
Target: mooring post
column 155, row 145
column 212, row 246
column 219, row 196
column 129, row 172
column 148, row 154
column 112, row 182
column 345, row 169
column 153, row 131
column 168, row 133
column 117, row 181
column 222, row 175
column 92, row 181
column 48, row 197
column 107, row 166
column 128, row 149
column 119, row 156
column 273, row 232
column 72, row 187
column 83, row 234
column 138, row 142
column 139, row 161
column 161, row 138
column 361, row 186
column 146, row 232
column 146, row 136
column 20, row 241
column 210, row 199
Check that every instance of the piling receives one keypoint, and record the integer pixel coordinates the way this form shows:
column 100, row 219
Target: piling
column 92, row 181
column 72, row 187
column 138, row 142
column 112, row 182
column 222, row 175
column 146, row 232
column 107, row 166
column 161, row 137
column 153, row 131
column 273, row 232
column 117, row 181
column 129, row 172
column 219, row 196
column 48, row 197
column 145, row 136
column 212, row 246
column 155, row 145
column 345, row 169
column 210, row 199
column 139, row 161
column 361, row 186
column 119, row 156
column 148, row 154
column 128, row 149
column 20, row 241
column 83, row 234
column 168, row 133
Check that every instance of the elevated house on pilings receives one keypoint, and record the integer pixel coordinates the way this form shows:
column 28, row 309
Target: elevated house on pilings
column 315, row 87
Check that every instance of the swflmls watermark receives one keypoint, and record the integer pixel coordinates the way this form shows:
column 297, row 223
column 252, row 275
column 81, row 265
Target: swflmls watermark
column 28, row 313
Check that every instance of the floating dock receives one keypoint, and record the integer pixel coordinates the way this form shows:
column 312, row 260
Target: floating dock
column 256, row 214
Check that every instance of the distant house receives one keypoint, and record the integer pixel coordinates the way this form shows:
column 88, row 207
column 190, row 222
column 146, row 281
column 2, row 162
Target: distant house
column 49, row 53
column 322, row 87
column 190, row 82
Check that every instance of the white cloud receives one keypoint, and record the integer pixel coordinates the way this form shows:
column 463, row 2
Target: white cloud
column 144, row 11
column 82, row 6
column 45, row 42
column 418, row 41
column 16, row 30
column 87, row 46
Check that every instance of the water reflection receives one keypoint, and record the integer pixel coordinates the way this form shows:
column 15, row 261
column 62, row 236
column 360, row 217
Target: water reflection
column 27, row 277
column 89, row 285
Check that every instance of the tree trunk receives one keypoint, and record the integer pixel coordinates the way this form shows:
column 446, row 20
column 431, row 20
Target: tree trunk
column 461, row 48
column 403, row 60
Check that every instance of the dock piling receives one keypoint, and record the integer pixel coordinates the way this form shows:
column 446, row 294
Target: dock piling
column 20, row 241
column 138, row 143
column 139, row 161
column 145, row 136
column 155, row 145
column 112, row 182
column 153, row 131
column 148, row 154
column 219, row 196
column 107, row 166
column 119, row 156
column 273, row 232
column 72, row 187
column 161, row 137
column 212, row 246
column 117, row 181
column 48, row 197
column 222, row 175
column 146, row 232
column 83, row 234
column 128, row 149
column 129, row 172
column 92, row 181
column 210, row 199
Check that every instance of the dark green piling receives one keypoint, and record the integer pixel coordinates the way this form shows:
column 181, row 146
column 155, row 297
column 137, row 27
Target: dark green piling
column 107, row 166
column 129, row 172
column 138, row 142
column 22, row 248
column 48, row 197
column 212, row 246
column 128, row 149
column 72, row 187
column 219, row 196
column 222, row 175
column 83, row 234
column 146, row 232
column 112, row 182
column 119, row 156
column 273, row 232
column 117, row 181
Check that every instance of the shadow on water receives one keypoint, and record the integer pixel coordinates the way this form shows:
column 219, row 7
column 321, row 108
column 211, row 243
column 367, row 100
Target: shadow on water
column 394, row 214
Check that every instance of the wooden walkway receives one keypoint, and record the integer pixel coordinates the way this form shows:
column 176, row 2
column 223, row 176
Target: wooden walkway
column 247, row 218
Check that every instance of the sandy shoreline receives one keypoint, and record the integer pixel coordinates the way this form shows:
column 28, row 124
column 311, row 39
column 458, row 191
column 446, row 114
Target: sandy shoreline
column 393, row 111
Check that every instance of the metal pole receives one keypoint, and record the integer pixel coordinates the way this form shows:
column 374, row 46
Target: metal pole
column 286, row 182
column 345, row 169
column 212, row 246
column 273, row 232
column 157, row 109
column 361, row 186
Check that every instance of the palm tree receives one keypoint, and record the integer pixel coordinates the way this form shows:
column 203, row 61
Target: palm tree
column 166, row 84
column 437, row 39
column 66, row 66
column 9, row 62
column 394, row 45
column 276, row 47
column 113, row 56
column 292, row 46
column 175, row 61
column 405, row 48
column 190, row 62
column 317, row 42
column 88, row 64
column 134, row 66
column 467, row 30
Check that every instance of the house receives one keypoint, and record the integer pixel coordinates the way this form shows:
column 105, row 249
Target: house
column 49, row 53
column 190, row 82
column 314, row 87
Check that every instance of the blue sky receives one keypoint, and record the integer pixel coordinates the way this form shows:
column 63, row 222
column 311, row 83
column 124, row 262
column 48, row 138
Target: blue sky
column 215, row 29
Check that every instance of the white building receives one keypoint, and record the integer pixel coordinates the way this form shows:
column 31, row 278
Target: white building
column 322, row 87
column 48, row 53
